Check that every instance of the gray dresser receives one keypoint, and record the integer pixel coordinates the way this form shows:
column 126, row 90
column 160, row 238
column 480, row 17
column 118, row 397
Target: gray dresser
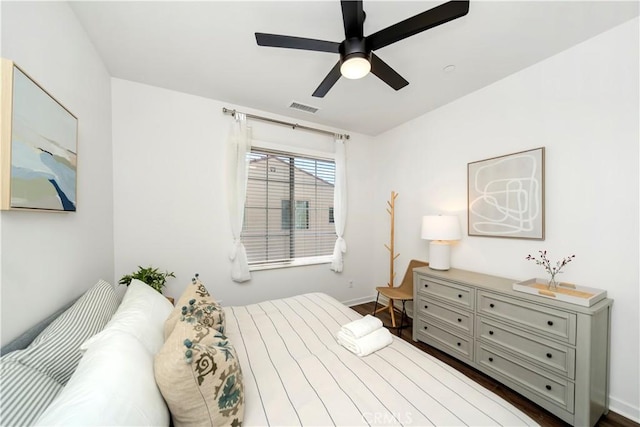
column 554, row 353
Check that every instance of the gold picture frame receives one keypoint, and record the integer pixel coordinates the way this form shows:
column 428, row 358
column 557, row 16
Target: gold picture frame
column 38, row 146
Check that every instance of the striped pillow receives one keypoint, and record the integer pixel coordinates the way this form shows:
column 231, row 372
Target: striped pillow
column 56, row 351
column 26, row 393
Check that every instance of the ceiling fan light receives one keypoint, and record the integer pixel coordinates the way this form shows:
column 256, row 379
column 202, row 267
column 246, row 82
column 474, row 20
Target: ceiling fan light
column 355, row 67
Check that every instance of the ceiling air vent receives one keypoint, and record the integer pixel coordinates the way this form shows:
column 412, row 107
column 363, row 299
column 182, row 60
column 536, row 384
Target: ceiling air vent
column 302, row 107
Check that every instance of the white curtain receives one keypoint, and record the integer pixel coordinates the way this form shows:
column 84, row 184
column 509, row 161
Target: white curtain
column 240, row 145
column 339, row 206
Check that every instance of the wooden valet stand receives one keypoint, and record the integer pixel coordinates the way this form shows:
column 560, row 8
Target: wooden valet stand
column 392, row 258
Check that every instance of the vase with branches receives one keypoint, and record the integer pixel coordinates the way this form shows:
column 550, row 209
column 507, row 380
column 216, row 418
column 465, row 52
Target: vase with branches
column 552, row 270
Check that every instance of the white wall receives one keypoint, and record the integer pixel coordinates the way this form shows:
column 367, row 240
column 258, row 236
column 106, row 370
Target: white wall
column 170, row 204
column 50, row 258
column 169, row 198
column 582, row 105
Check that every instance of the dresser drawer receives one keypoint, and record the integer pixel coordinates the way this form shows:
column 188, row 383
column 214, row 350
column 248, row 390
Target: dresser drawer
column 555, row 389
column 458, row 319
column 440, row 337
column 460, row 295
column 536, row 318
column 545, row 353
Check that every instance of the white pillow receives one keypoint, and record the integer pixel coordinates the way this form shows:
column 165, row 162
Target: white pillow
column 113, row 385
column 142, row 314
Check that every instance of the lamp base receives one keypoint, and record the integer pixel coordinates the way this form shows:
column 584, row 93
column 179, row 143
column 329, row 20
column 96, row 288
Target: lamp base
column 439, row 255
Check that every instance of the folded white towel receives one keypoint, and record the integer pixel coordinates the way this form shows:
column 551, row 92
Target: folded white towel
column 366, row 345
column 361, row 327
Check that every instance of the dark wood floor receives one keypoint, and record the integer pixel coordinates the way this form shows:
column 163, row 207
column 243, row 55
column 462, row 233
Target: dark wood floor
column 539, row 414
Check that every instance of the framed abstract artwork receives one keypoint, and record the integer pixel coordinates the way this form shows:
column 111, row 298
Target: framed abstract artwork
column 38, row 146
column 506, row 196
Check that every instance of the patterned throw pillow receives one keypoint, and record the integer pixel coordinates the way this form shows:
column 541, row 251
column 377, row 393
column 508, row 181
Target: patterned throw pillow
column 199, row 375
column 195, row 291
column 206, row 312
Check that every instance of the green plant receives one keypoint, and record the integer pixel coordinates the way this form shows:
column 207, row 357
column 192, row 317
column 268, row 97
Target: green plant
column 149, row 275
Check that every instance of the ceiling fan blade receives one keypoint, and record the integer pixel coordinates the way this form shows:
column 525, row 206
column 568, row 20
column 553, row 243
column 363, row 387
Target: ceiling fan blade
column 386, row 73
column 431, row 18
column 328, row 81
column 353, row 18
column 291, row 42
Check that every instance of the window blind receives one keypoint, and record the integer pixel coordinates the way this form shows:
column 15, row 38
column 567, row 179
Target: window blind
column 289, row 208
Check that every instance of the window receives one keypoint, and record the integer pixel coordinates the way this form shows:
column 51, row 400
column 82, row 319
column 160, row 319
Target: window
column 289, row 207
column 301, row 215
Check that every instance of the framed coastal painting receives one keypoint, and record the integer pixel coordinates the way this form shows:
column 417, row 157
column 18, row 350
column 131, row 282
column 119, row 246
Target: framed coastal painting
column 38, row 146
column 506, row 196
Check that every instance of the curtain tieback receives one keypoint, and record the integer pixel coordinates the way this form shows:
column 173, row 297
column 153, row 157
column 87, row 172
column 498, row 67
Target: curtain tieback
column 235, row 250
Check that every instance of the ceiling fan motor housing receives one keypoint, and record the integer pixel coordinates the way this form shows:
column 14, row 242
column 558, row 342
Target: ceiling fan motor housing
column 354, row 48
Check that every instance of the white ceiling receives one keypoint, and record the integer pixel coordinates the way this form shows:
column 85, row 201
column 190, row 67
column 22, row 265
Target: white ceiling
column 208, row 48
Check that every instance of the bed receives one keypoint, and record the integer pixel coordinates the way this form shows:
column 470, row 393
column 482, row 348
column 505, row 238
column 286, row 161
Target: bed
column 293, row 371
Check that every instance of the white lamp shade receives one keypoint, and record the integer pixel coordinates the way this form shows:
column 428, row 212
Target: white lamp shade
column 440, row 227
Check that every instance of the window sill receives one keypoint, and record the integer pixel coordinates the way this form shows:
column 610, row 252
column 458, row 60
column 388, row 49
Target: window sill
column 294, row 263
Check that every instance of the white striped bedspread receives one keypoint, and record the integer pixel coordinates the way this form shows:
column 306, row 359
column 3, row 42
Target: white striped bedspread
column 295, row 373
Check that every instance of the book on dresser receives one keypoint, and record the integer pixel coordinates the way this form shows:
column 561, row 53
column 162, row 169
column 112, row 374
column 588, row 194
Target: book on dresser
column 552, row 352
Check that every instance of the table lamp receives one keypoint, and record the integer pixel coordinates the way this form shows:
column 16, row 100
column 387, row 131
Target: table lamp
column 440, row 229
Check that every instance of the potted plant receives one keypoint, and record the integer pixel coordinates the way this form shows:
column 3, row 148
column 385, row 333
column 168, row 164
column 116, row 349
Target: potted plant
column 149, row 275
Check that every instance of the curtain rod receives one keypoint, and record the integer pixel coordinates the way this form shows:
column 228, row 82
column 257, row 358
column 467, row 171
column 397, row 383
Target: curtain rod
column 279, row 122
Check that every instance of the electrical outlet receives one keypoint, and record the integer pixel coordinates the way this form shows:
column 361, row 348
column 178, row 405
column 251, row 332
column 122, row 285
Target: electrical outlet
column 350, row 283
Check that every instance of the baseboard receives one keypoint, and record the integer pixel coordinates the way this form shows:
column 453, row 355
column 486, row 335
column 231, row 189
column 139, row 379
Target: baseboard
column 624, row 409
column 358, row 301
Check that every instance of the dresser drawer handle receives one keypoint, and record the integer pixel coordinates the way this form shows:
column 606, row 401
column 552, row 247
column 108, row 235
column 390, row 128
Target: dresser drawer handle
column 491, row 359
column 425, row 327
column 459, row 344
column 459, row 320
column 548, row 387
column 490, row 332
column 459, row 295
column 426, row 306
column 491, row 305
column 549, row 322
column 426, row 286
column 549, row 355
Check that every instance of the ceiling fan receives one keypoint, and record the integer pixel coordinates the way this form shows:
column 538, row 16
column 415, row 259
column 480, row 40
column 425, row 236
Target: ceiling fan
column 356, row 50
